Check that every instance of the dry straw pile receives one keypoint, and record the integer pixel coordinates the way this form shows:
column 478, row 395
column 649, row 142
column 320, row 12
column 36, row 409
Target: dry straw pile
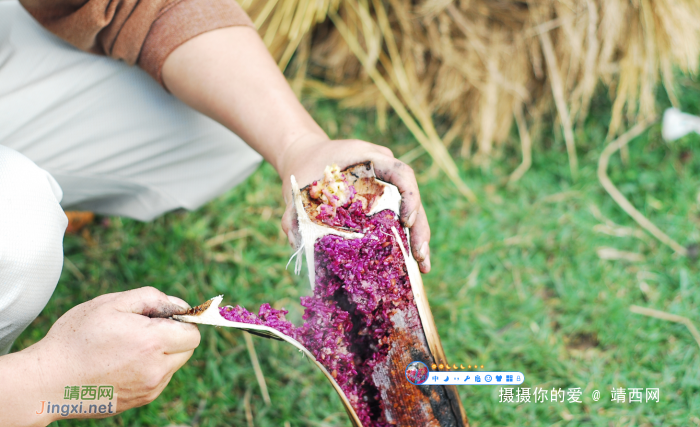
column 484, row 63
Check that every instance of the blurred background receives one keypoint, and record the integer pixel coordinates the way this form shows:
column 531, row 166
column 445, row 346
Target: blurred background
column 533, row 127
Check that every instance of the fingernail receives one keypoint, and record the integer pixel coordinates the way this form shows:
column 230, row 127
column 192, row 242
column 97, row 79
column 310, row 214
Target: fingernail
column 290, row 237
column 423, row 251
column 177, row 301
column 425, row 265
column 411, row 219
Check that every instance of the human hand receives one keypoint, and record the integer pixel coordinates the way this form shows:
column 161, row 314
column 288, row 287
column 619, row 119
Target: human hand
column 307, row 157
column 119, row 339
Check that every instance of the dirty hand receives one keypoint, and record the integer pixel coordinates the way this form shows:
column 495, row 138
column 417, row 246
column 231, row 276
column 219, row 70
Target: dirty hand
column 120, row 339
column 307, row 157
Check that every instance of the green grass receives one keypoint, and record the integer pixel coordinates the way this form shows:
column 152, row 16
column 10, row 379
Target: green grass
column 517, row 284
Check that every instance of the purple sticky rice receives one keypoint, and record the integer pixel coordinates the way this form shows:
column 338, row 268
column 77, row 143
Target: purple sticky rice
column 267, row 316
column 360, row 284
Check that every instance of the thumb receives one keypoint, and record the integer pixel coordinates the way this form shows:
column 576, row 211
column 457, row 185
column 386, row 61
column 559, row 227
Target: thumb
column 151, row 302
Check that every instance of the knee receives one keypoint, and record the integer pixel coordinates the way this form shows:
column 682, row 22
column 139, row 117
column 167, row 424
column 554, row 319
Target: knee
column 32, row 224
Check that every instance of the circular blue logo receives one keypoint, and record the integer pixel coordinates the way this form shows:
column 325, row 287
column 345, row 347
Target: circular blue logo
column 417, row 373
column 488, row 378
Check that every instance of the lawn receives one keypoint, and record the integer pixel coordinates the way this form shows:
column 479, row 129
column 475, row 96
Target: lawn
column 522, row 280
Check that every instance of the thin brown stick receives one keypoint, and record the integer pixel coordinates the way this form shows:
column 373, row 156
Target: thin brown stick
column 302, row 61
column 73, row 268
column 544, row 27
column 226, row 237
column 289, row 51
column 304, row 9
column 625, row 204
column 615, row 254
column 412, row 154
column 264, row 13
column 670, row 317
column 256, row 368
column 525, row 143
column 560, row 101
column 583, row 93
column 248, row 409
column 273, row 29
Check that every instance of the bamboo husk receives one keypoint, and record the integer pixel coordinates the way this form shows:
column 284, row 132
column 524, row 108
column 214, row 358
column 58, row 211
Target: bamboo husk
column 477, row 62
column 412, row 339
column 207, row 313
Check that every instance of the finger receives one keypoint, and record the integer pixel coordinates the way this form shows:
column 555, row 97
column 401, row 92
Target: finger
column 420, row 240
column 402, row 176
column 287, row 219
column 290, row 225
column 171, row 364
column 148, row 301
column 385, row 150
column 175, row 337
column 425, row 265
column 178, row 301
column 177, row 360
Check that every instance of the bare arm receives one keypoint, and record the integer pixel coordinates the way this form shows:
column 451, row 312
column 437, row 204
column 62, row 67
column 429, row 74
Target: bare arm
column 229, row 75
column 23, row 387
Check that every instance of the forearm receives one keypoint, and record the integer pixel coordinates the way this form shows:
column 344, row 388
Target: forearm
column 229, row 75
column 24, row 392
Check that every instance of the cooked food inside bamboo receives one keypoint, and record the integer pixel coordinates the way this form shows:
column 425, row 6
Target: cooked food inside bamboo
column 360, row 285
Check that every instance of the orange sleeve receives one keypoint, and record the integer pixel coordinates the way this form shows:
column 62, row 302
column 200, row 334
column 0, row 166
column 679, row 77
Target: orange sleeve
column 135, row 31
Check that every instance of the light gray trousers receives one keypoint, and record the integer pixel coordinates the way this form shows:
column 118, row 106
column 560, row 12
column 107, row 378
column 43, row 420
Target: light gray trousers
column 93, row 134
